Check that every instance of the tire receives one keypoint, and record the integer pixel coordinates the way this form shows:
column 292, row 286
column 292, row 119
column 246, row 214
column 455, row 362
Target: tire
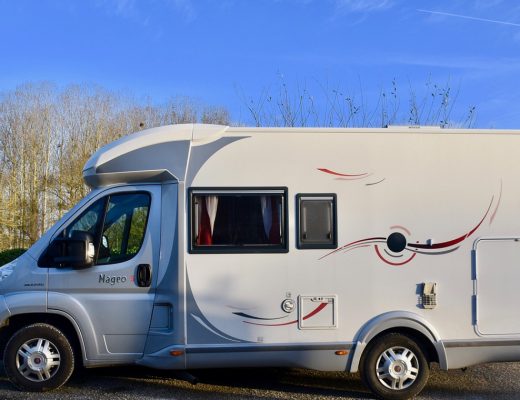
column 394, row 367
column 38, row 358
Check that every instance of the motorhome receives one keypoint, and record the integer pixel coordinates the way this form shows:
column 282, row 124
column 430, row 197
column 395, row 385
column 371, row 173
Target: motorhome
column 205, row 246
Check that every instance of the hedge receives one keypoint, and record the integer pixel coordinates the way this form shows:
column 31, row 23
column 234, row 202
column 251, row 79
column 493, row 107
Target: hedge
column 9, row 255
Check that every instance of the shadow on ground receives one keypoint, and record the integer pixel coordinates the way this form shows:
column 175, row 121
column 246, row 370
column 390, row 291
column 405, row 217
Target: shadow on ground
column 492, row 381
column 243, row 383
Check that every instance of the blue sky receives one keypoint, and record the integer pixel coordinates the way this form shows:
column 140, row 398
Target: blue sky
column 219, row 52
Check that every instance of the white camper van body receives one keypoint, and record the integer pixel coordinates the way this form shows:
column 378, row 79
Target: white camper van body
column 423, row 241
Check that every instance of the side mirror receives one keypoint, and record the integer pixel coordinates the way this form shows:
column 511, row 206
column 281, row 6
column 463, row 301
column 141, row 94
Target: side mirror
column 78, row 251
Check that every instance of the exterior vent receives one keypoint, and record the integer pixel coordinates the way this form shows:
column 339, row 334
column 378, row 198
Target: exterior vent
column 429, row 295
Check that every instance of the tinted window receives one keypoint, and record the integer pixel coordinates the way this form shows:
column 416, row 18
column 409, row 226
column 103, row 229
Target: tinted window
column 124, row 227
column 116, row 222
column 89, row 221
column 316, row 221
column 238, row 221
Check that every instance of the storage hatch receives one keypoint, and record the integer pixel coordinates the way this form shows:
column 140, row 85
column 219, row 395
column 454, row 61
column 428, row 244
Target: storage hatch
column 317, row 312
column 497, row 289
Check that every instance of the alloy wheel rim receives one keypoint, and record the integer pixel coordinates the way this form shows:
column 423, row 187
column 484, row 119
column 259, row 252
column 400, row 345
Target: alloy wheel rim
column 397, row 368
column 38, row 360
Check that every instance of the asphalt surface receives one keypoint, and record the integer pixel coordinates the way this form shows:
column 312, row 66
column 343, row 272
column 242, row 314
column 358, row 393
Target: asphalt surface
column 491, row 381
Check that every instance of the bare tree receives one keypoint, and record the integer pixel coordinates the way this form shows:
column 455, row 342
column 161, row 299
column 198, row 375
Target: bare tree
column 46, row 136
column 329, row 105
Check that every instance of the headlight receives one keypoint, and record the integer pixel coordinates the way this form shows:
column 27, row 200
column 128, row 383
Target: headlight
column 7, row 270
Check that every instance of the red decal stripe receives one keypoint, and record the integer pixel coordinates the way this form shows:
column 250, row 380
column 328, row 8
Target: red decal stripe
column 362, row 241
column 402, row 228
column 454, row 241
column 316, row 311
column 393, row 263
column 328, row 171
column 309, row 315
column 498, row 205
column 286, row 323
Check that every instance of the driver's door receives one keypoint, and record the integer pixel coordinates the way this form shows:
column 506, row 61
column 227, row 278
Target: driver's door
column 112, row 300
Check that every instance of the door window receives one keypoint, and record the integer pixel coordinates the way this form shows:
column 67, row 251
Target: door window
column 123, row 228
column 116, row 222
column 89, row 221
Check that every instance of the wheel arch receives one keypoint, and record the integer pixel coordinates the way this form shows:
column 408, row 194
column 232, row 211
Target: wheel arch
column 407, row 323
column 61, row 321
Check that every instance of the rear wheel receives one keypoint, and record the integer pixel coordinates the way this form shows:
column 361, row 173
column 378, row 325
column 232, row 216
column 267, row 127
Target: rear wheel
column 38, row 358
column 395, row 367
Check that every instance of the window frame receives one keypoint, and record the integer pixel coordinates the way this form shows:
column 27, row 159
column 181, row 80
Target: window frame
column 107, row 201
column 105, row 198
column 310, row 246
column 244, row 191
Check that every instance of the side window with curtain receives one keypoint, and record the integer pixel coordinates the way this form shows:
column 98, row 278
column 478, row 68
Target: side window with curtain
column 238, row 220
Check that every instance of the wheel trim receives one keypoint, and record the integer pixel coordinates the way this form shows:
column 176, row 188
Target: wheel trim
column 397, row 368
column 38, row 360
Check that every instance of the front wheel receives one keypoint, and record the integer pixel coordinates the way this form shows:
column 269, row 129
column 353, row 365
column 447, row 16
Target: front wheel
column 394, row 367
column 38, row 358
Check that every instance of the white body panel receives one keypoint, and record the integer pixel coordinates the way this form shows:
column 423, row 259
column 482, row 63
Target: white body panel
column 431, row 186
column 453, row 195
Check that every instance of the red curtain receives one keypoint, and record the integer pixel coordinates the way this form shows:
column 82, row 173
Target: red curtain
column 204, row 237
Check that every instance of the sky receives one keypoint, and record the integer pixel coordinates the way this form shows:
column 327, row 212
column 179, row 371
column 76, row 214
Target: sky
column 226, row 52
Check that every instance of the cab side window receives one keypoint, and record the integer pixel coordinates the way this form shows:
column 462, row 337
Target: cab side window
column 123, row 228
column 117, row 224
column 89, row 221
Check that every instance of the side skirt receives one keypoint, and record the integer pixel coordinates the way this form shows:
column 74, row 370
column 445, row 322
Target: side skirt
column 464, row 353
column 321, row 356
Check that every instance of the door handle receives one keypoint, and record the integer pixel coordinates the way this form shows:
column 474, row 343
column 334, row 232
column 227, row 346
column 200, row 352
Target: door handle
column 144, row 275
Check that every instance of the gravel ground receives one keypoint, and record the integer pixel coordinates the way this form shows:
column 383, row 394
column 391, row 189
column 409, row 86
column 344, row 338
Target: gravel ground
column 491, row 381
